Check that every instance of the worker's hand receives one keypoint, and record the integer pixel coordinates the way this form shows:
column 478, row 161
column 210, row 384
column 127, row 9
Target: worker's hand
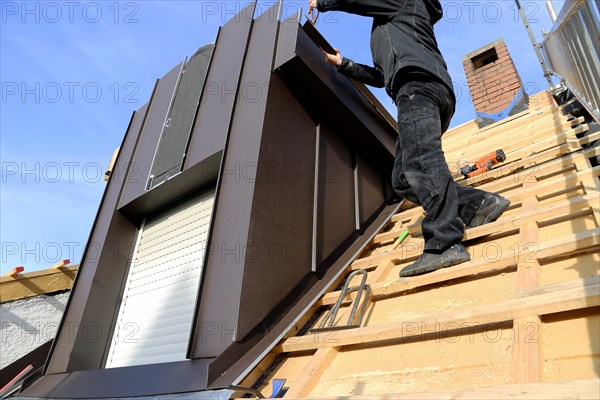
column 333, row 59
column 312, row 4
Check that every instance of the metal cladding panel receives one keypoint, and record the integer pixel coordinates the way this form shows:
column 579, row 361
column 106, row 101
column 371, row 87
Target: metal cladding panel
column 158, row 304
column 150, row 136
column 279, row 249
column 336, row 197
column 241, row 358
column 214, row 116
column 142, row 380
column 64, row 347
column 370, row 187
column 365, row 123
column 379, row 109
column 94, row 329
column 171, row 149
column 217, row 326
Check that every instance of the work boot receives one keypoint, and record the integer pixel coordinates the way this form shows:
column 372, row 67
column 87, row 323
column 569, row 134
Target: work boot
column 491, row 208
column 429, row 262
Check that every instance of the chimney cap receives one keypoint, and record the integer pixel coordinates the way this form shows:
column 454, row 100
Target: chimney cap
column 495, row 43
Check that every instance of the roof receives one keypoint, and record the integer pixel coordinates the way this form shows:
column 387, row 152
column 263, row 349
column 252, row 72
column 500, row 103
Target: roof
column 520, row 320
column 521, row 317
column 51, row 280
column 31, row 306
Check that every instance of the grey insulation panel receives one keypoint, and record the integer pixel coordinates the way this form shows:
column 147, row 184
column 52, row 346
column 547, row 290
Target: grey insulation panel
column 171, row 149
column 158, row 109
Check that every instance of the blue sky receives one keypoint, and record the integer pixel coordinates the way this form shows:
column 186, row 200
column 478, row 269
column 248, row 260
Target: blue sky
column 72, row 73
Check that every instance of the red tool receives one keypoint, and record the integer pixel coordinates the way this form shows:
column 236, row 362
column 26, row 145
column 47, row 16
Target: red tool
column 484, row 164
column 14, row 380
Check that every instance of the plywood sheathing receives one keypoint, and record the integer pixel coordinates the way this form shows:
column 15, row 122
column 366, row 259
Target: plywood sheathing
column 523, row 314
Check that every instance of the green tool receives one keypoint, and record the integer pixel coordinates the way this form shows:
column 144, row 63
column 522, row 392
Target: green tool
column 400, row 239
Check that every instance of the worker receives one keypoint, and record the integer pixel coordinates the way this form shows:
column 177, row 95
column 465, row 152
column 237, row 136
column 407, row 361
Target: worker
column 409, row 64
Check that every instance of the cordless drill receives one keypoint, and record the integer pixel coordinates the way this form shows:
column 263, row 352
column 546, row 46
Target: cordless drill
column 484, row 164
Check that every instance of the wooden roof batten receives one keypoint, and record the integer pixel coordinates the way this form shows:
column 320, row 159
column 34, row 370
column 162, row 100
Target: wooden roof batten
column 521, row 320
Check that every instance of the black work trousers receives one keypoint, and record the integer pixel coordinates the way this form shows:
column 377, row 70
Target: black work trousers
column 420, row 172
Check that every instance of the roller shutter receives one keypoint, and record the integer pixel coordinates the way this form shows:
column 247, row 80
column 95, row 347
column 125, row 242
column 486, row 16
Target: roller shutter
column 156, row 313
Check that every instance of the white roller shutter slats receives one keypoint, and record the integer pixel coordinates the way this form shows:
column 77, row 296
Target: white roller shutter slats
column 156, row 314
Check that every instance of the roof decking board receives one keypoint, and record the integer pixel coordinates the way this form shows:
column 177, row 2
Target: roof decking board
column 537, row 266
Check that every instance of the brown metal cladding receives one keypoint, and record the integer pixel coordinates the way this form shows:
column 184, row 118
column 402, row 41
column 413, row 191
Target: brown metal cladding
column 241, row 357
column 279, row 248
column 277, row 257
column 141, row 380
column 95, row 327
column 261, row 144
column 225, row 265
column 216, row 109
column 335, row 201
column 63, row 346
column 257, row 287
column 300, row 61
column 369, row 182
column 149, row 137
column 211, row 132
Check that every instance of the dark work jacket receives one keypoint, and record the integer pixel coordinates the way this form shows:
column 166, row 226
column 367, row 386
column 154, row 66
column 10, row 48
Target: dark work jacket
column 403, row 43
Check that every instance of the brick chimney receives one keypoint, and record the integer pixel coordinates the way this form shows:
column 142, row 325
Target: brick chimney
column 496, row 88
